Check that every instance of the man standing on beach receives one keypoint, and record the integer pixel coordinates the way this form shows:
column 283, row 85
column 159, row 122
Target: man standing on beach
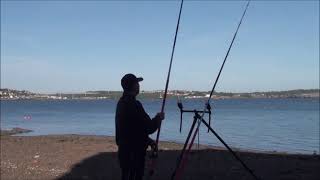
column 133, row 125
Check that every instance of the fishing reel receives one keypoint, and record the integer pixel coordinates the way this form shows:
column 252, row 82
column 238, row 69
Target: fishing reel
column 196, row 113
column 154, row 151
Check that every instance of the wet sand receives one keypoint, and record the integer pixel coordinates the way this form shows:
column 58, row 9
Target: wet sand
column 94, row 157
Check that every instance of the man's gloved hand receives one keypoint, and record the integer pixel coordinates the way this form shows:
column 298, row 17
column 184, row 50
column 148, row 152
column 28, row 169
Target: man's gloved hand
column 159, row 117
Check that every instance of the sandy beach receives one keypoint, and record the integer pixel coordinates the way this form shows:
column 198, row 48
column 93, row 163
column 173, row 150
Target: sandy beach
column 94, row 157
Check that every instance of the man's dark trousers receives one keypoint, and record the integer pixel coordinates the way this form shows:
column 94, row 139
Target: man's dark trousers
column 131, row 164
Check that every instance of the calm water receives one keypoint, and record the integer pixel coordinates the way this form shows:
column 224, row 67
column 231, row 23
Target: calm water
column 288, row 125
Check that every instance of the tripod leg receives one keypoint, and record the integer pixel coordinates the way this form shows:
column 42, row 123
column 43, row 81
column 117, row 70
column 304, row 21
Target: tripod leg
column 230, row 150
column 198, row 138
column 184, row 147
column 180, row 121
column 209, row 120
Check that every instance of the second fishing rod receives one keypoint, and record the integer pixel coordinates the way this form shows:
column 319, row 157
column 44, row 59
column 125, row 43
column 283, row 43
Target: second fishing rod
column 183, row 156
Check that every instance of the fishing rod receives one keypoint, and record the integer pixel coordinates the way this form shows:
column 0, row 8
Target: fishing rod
column 155, row 152
column 183, row 156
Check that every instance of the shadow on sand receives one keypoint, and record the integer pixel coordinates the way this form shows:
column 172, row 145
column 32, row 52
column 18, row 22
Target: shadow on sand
column 204, row 164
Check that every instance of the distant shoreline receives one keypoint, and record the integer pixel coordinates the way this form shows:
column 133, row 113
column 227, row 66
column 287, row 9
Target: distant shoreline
column 183, row 94
column 96, row 99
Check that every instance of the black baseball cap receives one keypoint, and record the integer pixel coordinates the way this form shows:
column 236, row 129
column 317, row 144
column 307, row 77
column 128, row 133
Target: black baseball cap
column 129, row 80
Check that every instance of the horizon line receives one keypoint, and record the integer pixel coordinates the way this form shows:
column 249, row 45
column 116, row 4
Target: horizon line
column 158, row 90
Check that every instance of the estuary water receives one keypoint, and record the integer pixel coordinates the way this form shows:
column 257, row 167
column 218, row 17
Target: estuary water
column 285, row 125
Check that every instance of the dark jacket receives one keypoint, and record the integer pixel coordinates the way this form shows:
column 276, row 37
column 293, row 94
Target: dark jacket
column 133, row 124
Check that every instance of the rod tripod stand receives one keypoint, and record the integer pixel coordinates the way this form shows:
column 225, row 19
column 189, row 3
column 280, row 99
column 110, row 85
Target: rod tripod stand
column 196, row 118
column 196, row 113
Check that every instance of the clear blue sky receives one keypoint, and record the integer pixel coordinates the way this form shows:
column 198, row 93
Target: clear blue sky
column 70, row 46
